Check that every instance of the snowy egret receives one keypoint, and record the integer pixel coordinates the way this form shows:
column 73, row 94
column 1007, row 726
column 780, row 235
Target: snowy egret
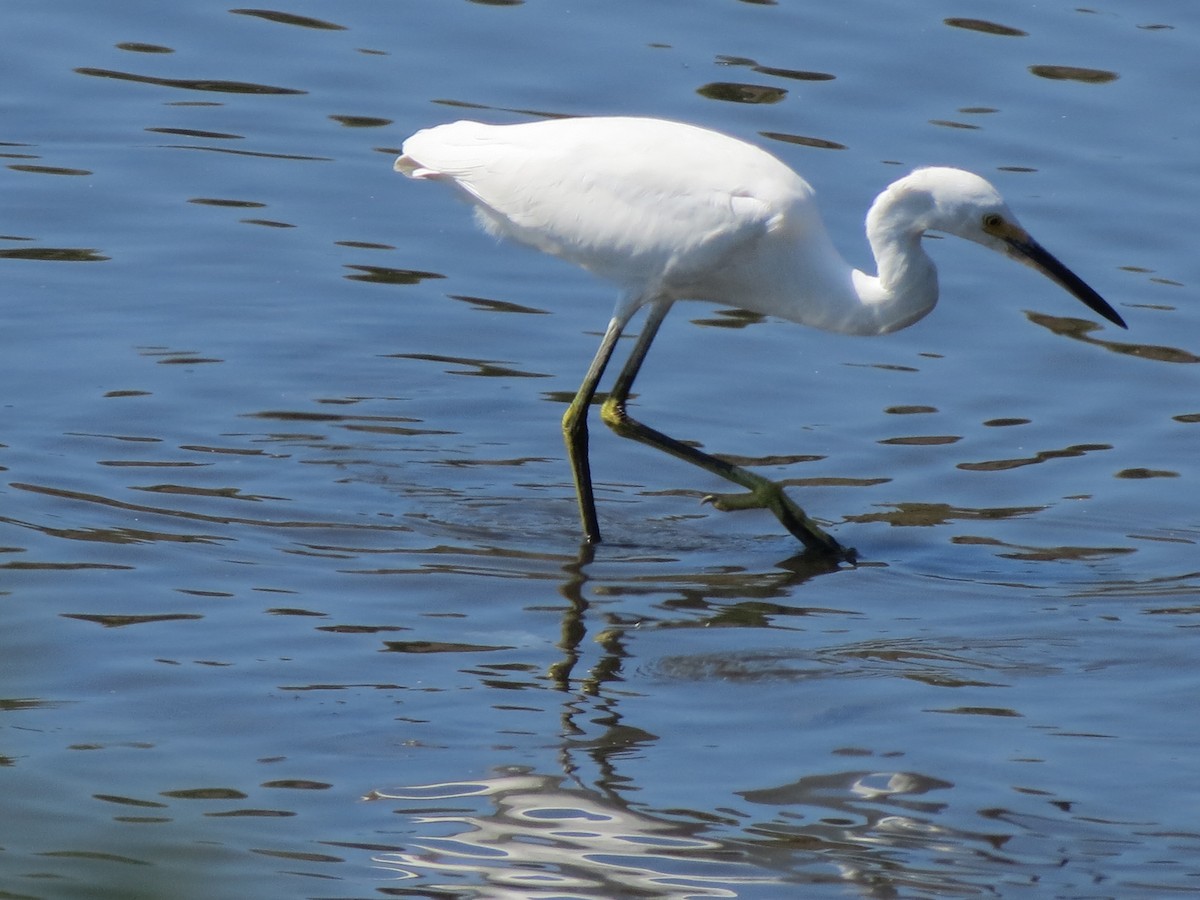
column 671, row 211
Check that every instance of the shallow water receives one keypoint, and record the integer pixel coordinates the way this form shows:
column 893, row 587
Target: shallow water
column 293, row 594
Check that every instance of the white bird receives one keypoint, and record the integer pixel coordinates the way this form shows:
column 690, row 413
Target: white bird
column 671, row 211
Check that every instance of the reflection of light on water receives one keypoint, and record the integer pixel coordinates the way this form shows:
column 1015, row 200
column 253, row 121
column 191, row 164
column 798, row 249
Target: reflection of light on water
column 872, row 833
column 539, row 838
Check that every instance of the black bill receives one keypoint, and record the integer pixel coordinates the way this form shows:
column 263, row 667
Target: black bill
column 1028, row 251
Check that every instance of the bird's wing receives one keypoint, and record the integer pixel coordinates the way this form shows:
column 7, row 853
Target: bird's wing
column 633, row 201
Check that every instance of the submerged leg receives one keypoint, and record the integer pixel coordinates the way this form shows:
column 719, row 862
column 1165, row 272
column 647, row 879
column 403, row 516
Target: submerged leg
column 763, row 493
column 575, row 430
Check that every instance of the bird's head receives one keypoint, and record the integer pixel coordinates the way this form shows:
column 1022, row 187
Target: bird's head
column 963, row 204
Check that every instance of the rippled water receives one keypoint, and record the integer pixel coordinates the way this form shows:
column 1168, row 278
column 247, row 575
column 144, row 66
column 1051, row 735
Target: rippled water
column 293, row 595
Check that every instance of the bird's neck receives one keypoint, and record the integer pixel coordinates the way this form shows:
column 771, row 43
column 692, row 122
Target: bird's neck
column 906, row 288
column 825, row 292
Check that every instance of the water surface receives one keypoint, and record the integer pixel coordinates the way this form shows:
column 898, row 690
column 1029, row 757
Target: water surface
column 293, row 593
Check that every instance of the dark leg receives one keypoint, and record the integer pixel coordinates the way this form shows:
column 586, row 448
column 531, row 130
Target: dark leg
column 763, row 493
column 575, row 430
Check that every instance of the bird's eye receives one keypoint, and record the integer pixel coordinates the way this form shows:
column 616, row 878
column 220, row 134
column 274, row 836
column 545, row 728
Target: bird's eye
column 992, row 221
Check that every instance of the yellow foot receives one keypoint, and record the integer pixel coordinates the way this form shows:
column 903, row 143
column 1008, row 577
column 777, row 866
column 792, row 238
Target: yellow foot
column 794, row 519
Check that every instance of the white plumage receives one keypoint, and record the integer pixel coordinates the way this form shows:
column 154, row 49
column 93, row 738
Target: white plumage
column 671, row 211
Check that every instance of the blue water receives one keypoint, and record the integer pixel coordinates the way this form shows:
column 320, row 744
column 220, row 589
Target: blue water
column 293, row 596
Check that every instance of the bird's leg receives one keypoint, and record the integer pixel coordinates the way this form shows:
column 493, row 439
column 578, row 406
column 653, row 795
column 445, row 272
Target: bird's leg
column 575, row 430
column 763, row 493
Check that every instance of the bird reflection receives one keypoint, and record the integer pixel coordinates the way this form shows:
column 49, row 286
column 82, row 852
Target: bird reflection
column 539, row 836
column 585, row 829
